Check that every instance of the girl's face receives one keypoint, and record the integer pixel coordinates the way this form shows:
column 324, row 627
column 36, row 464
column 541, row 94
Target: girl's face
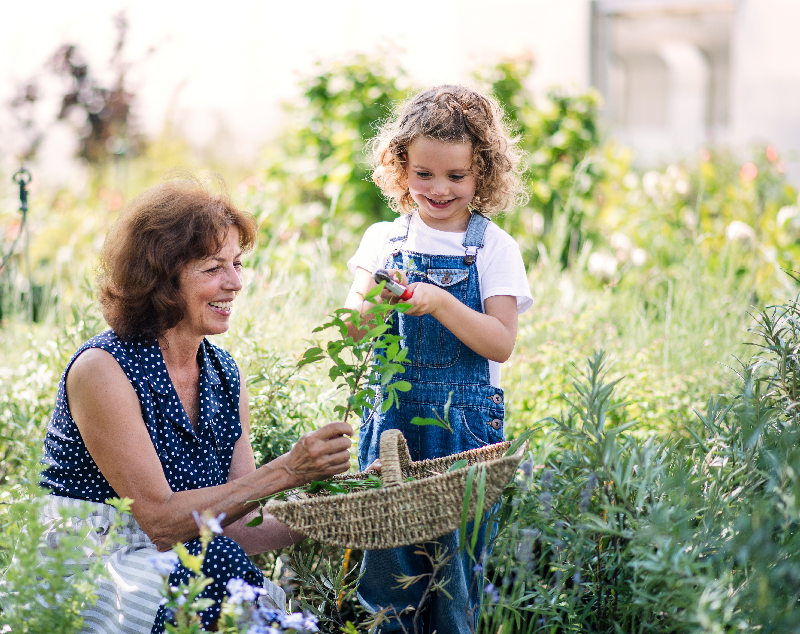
column 441, row 182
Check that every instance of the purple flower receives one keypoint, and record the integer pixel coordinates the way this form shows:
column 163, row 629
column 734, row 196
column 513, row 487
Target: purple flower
column 241, row 591
column 493, row 592
column 213, row 523
column 295, row 620
column 477, row 568
column 163, row 563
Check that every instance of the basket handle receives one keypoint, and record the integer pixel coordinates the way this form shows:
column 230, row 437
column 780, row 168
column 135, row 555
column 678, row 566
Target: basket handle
column 394, row 457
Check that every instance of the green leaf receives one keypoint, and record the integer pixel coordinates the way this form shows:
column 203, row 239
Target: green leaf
column 519, row 442
column 458, row 464
column 401, row 386
column 258, row 519
column 418, row 420
column 312, row 355
column 476, row 525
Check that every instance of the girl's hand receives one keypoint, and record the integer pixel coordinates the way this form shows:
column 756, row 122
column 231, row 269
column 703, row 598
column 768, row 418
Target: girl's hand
column 386, row 294
column 427, row 299
column 320, row 454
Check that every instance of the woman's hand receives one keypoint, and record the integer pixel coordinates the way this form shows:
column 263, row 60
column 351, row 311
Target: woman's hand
column 320, row 454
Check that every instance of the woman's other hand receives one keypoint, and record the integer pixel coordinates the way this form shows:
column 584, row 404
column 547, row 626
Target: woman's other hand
column 320, row 454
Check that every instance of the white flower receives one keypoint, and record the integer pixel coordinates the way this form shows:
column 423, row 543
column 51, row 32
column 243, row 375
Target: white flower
column 602, row 265
column 740, row 231
column 622, row 245
column 240, row 591
column 650, row 183
column 639, row 257
column 537, row 223
column 214, row 523
column 788, row 214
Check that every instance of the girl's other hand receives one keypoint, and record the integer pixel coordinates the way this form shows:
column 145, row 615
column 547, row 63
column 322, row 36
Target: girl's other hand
column 320, row 454
column 427, row 299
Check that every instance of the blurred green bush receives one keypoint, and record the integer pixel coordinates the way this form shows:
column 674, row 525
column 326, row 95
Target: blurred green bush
column 659, row 268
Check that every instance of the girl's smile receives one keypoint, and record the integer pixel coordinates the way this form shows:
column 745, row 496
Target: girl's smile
column 441, row 182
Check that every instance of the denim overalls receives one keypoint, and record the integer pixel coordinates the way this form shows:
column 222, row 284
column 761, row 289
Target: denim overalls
column 437, row 364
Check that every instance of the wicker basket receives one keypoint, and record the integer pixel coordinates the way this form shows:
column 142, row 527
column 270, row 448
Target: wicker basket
column 400, row 513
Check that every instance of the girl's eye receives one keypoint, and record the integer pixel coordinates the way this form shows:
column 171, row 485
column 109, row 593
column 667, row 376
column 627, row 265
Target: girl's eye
column 457, row 177
column 423, row 174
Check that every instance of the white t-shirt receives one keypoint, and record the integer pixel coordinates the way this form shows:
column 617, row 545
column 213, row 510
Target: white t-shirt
column 500, row 267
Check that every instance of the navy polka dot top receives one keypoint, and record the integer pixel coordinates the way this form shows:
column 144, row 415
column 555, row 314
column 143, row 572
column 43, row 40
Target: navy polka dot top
column 190, row 460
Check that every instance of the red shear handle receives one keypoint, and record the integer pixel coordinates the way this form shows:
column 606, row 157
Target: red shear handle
column 403, row 292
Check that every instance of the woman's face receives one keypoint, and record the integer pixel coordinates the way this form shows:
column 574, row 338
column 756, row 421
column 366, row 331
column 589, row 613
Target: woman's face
column 209, row 286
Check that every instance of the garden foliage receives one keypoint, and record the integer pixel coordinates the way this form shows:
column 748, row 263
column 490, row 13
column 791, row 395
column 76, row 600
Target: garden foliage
column 663, row 500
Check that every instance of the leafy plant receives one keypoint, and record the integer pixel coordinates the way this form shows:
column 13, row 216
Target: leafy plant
column 42, row 587
column 362, row 363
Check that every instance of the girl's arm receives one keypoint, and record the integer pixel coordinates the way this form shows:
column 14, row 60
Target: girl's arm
column 491, row 334
column 362, row 284
column 107, row 411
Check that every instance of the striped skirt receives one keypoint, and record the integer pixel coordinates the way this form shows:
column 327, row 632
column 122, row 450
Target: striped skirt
column 129, row 597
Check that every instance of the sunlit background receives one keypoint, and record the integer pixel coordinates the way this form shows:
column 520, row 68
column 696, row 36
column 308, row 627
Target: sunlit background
column 675, row 75
column 662, row 163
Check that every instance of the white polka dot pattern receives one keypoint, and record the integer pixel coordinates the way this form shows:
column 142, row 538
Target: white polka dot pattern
column 190, row 460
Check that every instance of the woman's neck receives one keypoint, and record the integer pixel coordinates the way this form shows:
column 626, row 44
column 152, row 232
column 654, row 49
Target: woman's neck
column 180, row 353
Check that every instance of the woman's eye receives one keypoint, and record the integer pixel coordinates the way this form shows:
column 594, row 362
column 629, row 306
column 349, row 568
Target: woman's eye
column 237, row 265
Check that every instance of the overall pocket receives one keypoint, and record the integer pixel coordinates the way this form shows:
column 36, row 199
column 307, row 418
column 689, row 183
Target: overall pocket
column 430, row 344
column 481, row 426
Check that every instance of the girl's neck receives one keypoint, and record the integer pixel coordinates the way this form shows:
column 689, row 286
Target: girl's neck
column 451, row 225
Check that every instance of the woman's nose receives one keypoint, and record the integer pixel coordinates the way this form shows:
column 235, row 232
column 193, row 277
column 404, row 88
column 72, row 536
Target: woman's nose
column 234, row 279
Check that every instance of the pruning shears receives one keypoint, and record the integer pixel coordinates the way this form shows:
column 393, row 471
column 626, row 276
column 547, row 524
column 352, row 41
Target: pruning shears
column 403, row 292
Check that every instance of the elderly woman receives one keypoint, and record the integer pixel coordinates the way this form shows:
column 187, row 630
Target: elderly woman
column 151, row 410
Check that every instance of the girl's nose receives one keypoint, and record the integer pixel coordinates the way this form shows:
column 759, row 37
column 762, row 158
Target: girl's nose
column 439, row 188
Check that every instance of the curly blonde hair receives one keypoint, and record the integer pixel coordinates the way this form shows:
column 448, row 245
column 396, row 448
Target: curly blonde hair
column 453, row 114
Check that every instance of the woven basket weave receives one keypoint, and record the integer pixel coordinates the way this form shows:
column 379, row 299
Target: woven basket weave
column 400, row 513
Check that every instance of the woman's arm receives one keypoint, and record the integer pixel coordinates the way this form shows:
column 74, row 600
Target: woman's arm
column 270, row 534
column 107, row 412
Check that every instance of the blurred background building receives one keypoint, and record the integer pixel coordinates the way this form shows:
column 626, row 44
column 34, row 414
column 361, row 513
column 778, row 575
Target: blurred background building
column 675, row 74
column 679, row 74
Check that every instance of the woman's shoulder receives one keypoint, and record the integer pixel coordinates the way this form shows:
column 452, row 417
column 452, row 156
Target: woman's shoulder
column 107, row 341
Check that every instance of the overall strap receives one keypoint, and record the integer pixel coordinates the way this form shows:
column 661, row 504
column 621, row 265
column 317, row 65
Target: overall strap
column 400, row 228
column 473, row 238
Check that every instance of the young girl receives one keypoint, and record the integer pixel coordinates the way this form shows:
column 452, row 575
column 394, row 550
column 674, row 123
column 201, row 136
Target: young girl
column 446, row 164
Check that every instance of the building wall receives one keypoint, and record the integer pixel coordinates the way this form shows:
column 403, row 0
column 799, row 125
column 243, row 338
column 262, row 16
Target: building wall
column 765, row 91
column 681, row 74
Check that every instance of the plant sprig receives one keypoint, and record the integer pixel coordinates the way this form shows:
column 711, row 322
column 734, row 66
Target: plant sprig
column 374, row 358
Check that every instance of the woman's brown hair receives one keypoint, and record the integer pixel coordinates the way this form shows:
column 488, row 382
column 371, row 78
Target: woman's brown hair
column 160, row 232
column 453, row 114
